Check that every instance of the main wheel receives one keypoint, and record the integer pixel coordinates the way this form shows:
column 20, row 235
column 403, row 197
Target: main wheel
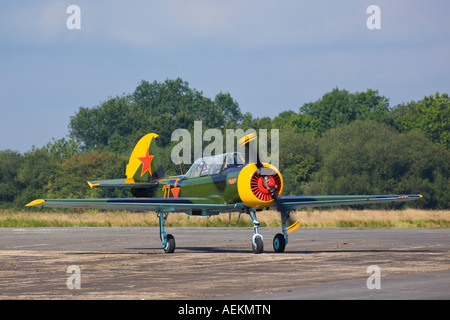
column 279, row 242
column 170, row 246
column 258, row 245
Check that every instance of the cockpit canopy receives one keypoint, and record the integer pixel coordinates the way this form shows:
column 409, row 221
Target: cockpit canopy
column 215, row 164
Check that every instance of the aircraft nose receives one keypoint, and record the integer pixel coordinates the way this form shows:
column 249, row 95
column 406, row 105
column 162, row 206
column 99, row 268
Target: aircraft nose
column 254, row 185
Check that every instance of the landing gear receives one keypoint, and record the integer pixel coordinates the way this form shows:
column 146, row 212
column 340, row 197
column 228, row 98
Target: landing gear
column 167, row 240
column 170, row 244
column 279, row 243
column 281, row 239
column 257, row 243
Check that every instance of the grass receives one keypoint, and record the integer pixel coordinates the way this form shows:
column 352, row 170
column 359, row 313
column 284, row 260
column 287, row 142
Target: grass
column 344, row 218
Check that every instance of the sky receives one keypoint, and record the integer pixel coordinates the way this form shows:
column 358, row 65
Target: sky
column 271, row 56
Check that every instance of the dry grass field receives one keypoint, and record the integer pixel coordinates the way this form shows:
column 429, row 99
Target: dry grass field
column 408, row 218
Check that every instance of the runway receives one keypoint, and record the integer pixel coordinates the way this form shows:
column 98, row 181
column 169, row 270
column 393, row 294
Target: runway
column 217, row 263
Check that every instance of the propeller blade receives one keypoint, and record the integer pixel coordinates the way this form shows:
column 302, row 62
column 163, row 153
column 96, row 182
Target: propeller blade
column 291, row 224
column 251, row 148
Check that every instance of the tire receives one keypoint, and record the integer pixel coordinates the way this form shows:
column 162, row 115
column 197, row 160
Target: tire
column 279, row 243
column 258, row 245
column 170, row 246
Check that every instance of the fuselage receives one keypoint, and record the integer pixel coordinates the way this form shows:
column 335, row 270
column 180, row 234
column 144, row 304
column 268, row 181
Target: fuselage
column 243, row 183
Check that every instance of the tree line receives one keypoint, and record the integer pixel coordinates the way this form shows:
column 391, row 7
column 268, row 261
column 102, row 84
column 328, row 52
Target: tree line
column 343, row 143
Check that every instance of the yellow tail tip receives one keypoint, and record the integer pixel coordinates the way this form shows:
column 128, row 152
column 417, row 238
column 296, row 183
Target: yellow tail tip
column 35, row 202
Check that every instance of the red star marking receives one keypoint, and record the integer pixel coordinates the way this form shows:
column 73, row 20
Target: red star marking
column 146, row 162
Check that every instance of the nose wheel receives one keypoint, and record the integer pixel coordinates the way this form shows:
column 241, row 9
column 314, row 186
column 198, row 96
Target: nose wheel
column 257, row 243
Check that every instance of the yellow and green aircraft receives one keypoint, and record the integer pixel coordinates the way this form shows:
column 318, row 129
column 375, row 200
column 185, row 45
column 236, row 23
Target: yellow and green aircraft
column 222, row 183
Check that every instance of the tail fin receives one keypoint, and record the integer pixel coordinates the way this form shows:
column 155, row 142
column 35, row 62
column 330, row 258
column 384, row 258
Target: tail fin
column 145, row 164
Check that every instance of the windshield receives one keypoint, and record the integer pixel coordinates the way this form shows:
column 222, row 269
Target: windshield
column 213, row 164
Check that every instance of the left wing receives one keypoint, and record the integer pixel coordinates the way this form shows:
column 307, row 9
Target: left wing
column 196, row 206
column 294, row 202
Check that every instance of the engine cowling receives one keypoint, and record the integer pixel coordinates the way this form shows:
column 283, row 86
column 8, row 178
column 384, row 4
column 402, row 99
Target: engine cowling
column 254, row 184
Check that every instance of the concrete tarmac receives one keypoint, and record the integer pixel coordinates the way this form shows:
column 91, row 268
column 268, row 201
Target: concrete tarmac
column 217, row 263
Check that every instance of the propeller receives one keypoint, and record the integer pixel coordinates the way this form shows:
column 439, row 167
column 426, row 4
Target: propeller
column 251, row 148
column 290, row 224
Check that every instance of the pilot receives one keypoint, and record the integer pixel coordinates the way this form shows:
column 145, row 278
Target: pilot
column 205, row 169
column 198, row 169
column 229, row 162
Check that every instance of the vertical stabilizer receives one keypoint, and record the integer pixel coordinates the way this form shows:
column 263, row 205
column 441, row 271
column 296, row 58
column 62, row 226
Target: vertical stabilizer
column 145, row 164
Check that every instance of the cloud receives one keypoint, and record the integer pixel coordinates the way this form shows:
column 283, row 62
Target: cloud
column 236, row 24
column 231, row 24
column 32, row 23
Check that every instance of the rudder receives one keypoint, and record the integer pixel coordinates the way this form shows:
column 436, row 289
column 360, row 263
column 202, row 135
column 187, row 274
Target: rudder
column 145, row 164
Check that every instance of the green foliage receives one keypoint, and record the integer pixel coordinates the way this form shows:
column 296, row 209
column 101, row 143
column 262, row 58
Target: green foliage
column 62, row 148
column 340, row 107
column 343, row 143
column 299, row 159
column 35, row 171
column 153, row 107
column 430, row 115
column 68, row 178
column 9, row 184
column 366, row 157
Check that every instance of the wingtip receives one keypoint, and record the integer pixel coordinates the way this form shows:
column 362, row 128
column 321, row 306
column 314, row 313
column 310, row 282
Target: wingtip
column 93, row 185
column 35, row 202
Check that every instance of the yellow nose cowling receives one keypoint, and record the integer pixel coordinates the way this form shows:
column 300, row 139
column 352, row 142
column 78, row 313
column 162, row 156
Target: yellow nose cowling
column 251, row 188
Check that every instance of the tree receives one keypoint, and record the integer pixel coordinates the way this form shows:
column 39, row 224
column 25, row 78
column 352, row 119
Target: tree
column 340, row 107
column 366, row 157
column 35, row 171
column 9, row 185
column 299, row 159
column 113, row 121
column 229, row 115
column 68, row 178
column 62, row 148
column 431, row 115
column 153, row 107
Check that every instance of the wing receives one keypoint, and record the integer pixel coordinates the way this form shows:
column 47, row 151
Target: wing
column 194, row 206
column 294, row 202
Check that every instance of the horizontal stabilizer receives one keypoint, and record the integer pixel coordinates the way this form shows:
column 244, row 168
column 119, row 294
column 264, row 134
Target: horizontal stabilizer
column 121, row 183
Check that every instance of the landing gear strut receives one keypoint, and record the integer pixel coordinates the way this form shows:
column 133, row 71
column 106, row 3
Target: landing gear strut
column 167, row 240
column 257, row 243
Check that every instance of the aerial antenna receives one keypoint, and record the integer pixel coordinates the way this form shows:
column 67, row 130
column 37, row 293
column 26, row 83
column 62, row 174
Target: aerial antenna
column 181, row 169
